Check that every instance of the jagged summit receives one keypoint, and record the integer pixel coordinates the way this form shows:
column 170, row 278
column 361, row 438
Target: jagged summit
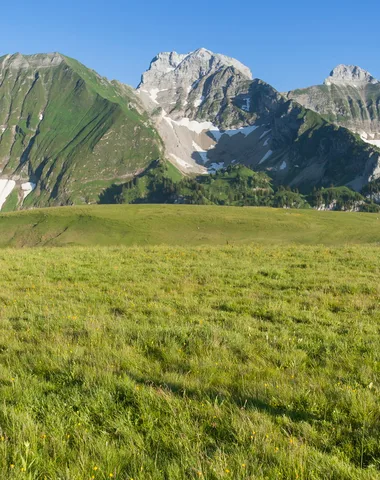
column 172, row 67
column 350, row 75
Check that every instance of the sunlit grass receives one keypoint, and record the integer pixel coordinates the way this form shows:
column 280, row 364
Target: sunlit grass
column 183, row 363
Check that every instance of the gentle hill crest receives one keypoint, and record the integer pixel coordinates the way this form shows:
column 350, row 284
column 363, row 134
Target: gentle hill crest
column 185, row 225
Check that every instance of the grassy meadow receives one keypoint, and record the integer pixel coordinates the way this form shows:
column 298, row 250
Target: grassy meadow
column 166, row 362
column 184, row 225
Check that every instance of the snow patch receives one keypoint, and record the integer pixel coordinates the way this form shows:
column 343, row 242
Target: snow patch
column 376, row 143
column 27, row 188
column 266, row 142
column 244, row 130
column 283, row 165
column 215, row 166
column 6, row 187
column 193, row 125
column 202, row 153
column 153, row 93
column 263, row 134
column 364, row 136
column 217, row 134
column 265, row 157
column 247, row 104
column 188, row 90
column 198, row 102
column 376, row 173
column 41, row 117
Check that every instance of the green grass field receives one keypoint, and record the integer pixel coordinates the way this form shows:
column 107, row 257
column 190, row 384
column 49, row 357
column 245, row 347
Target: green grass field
column 185, row 225
column 189, row 361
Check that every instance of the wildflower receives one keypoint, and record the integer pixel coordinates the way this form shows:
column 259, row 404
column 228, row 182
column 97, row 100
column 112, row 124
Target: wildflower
column 11, row 465
column 23, row 469
column 111, row 475
column 243, row 465
column 95, row 468
column 227, row 471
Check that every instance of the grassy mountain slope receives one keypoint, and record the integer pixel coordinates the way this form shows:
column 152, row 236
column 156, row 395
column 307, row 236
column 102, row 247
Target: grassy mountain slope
column 184, row 225
column 69, row 130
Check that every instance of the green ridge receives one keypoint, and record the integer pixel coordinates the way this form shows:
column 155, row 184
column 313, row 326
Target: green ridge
column 67, row 127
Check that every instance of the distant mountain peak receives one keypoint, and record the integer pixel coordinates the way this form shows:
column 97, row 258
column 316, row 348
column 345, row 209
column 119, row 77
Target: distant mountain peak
column 350, row 75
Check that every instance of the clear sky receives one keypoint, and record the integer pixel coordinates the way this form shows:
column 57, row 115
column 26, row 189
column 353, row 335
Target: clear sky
column 288, row 44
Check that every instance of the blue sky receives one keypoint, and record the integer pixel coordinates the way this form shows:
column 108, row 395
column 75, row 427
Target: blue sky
column 289, row 44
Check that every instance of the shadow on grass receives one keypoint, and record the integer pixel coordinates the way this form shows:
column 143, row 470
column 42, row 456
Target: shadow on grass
column 234, row 397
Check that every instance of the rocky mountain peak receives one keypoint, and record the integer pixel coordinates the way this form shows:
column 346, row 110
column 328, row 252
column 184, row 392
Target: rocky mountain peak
column 350, row 75
column 168, row 69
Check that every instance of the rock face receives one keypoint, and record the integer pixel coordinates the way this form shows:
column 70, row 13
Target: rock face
column 66, row 132
column 350, row 97
column 23, row 62
column 188, row 94
column 211, row 113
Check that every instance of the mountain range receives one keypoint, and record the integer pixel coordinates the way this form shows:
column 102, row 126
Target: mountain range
column 67, row 134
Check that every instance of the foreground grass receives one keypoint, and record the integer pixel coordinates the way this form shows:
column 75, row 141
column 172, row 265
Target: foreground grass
column 184, row 225
column 183, row 363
